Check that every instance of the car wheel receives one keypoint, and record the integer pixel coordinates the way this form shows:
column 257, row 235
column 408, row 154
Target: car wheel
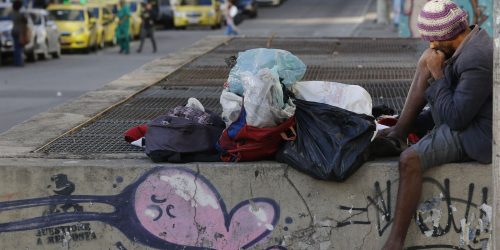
column 31, row 56
column 101, row 44
column 113, row 41
column 45, row 54
column 57, row 53
column 253, row 14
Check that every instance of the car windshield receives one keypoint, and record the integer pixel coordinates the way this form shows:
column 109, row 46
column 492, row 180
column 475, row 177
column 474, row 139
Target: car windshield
column 37, row 19
column 94, row 12
column 67, row 15
column 196, row 2
column 164, row 2
column 4, row 13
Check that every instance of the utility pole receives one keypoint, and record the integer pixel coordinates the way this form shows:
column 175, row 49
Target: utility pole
column 496, row 126
column 383, row 11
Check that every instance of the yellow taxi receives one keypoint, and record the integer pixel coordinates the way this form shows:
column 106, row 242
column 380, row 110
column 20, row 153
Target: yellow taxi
column 96, row 15
column 110, row 21
column 77, row 29
column 197, row 13
column 135, row 18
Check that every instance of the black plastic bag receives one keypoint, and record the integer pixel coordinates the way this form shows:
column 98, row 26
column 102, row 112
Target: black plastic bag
column 332, row 143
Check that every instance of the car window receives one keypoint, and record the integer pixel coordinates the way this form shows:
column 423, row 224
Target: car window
column 37, row 20
column 5, row 13
column 94, row 12
column 196, row 2
column 106, row 11
column 67, row 15
column 164, row 2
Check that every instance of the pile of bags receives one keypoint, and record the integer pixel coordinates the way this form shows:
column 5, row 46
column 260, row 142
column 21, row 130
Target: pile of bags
column 321, row 128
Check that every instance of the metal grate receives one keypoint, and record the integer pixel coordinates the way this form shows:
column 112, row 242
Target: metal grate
column 106, row 134
column 373, row 60
column 326, row 45
column 384, row 67
column 217, row 75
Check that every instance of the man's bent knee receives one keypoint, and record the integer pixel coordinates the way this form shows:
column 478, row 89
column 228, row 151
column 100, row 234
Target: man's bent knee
column 409, row 162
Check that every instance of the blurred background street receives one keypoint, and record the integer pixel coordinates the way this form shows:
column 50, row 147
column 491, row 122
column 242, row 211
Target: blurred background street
column 84, row 32
column 38, row 86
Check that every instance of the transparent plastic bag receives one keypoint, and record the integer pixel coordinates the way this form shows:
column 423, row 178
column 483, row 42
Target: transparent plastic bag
column 263, row 99
column 231, row 106
column 287, row 66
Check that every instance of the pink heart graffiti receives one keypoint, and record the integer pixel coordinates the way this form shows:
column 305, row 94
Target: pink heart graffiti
column 181, row 207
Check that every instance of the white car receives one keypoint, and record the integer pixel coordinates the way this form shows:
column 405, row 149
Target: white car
column 6, row 42
column 270, row 2
column 46, row 34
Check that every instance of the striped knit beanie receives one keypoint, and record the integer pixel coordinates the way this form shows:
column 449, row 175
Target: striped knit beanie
column 441, row 20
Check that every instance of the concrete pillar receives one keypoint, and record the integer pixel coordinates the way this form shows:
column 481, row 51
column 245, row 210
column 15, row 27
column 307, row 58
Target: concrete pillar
column 496, row 125
column 382, row 12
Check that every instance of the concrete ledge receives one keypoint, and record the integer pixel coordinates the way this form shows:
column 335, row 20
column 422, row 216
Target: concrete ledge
column 268, row 204
column 23, row 139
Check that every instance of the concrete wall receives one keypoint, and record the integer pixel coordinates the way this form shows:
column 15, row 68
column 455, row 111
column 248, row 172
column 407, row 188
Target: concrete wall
column 131, row 204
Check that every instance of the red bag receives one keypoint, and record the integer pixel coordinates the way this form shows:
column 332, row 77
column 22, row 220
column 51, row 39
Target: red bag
column 241, row 142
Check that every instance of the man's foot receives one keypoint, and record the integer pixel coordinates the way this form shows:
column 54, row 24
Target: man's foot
column 138, row 51
column 392, row 245
column 384, row 146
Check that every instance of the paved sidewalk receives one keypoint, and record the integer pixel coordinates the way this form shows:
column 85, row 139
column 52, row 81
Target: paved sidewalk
column 370, row 28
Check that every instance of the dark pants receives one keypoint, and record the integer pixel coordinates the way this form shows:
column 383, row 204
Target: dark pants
column 147, row 32
column 18, row 51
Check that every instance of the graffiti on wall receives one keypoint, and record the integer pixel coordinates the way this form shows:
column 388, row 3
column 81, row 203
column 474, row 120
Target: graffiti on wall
column 168, row 208
column 436, row 216
column 63, row 234
column 479, row 12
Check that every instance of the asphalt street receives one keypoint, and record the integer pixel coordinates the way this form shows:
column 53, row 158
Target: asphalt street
column 25, row 92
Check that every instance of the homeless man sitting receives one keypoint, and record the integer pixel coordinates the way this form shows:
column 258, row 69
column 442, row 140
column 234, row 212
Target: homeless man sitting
column 454, row 77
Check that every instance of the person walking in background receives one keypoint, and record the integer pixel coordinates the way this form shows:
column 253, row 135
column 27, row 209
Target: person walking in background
column 19, row 32
column 147, row 27
column 230, row 12
column 123, row 28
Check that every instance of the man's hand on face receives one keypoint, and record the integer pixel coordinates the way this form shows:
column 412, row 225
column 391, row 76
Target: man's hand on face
column 435, row 63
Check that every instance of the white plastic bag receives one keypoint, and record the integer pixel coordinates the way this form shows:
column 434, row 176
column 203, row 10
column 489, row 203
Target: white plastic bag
column 350, row 97
column 231, row 106
column 263, row 100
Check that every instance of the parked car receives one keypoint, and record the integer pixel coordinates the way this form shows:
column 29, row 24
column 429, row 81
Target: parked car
column 110, row 21
column 247, row 7
column 270, row 2
column 78, row 30
column 46, row 34
column 96, row 15
column 135, row 19
column 6, row 41
column 197, row 13
column 164, row 12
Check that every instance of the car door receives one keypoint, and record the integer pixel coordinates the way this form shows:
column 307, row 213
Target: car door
column 52, row 33
column 92, row 26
